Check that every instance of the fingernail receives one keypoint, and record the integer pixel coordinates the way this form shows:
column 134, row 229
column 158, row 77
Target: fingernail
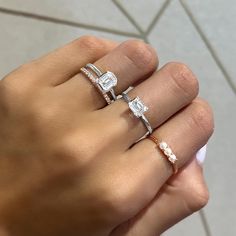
column 201, row 155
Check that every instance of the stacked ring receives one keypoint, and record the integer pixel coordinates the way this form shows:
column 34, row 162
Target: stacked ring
column 166, row 150
column 104, row 82
column 138, row 108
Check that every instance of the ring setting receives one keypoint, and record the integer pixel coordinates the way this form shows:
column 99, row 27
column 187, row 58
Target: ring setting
column 138, row 108
column 104, row 82
column 107, row 81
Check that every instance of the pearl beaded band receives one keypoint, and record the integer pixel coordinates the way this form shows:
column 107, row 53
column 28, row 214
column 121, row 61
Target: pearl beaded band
column 166, row 150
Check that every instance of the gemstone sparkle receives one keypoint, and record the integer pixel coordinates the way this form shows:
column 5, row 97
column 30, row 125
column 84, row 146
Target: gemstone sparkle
column 107, row 81
column 137, row 107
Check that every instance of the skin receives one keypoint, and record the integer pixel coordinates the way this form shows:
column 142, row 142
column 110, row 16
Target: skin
column 70, row 165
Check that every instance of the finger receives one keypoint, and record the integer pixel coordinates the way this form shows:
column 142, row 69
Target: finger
column 131, row 61
column 143, row 168
column 181, row 196
column 63, row 63
column 170, row 89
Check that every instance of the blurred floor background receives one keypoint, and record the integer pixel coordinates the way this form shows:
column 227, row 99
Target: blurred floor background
column 201, row 33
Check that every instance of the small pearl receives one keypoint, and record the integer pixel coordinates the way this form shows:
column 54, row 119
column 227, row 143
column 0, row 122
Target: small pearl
column 172, row 158
column 168, row 151
column 163, row 145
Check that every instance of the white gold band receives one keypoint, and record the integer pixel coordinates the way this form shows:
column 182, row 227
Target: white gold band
column 94, row 69
column 138, row 108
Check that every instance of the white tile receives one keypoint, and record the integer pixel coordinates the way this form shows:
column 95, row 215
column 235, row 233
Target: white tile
column 143, row 12
column 24, row 39
column 102, row 13
column 191, row 226
column 219, row 25
column 176, row 39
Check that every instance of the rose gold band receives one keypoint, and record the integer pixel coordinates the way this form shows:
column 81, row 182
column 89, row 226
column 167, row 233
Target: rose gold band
column 169, row 156
column 90, row 76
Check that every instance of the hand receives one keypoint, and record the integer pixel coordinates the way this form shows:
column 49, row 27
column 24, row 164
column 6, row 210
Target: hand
column 68, row 162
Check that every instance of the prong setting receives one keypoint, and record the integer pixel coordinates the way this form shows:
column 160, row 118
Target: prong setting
column 137, row 107
column 107, row 81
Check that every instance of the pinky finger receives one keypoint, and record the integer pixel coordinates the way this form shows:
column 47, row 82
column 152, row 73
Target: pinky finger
column 181, row 196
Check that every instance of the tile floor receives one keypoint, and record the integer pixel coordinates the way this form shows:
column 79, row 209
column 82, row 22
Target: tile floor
column 199, row 33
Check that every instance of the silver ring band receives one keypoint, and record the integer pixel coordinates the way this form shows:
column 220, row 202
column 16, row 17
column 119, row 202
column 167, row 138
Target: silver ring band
column 108, row 76
column 138, row 108
column 146, row 123
column 94, row 69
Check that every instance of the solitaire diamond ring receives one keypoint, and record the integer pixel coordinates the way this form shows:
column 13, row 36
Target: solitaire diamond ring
column 104, row 81
column 138, row 108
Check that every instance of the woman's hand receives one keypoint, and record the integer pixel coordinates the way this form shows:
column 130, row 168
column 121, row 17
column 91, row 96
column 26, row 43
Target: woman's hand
column 69, row 163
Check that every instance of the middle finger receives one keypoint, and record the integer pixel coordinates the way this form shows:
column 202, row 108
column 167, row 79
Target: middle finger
column 165, row 93
column 131, row 62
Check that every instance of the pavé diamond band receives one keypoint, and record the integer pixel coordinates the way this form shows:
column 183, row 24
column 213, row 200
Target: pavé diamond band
column 138, row 108
column 166, row 150
column 92, row 79
column 105, row 82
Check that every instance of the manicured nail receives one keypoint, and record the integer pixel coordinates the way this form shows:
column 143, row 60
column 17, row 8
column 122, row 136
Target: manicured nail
column 201, row 155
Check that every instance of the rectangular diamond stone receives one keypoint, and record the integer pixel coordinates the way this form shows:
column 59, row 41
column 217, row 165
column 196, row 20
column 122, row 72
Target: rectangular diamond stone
column 107, row 81
column 137, row 107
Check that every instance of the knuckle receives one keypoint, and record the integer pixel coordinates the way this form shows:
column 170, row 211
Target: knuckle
column 5, row 83
column 27, row 67
column 13, row 92
column 198, row 199
column 184, row 79
column 202, row 198
column 89, row 42
column 202, row 116
column 141, row 54
column 42, row 113
column 68, row 147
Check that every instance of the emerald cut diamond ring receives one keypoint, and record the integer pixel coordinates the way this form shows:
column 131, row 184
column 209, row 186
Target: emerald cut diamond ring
column 138, row 108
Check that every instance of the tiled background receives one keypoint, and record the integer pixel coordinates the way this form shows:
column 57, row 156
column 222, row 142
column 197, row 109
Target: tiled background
column 201, row 33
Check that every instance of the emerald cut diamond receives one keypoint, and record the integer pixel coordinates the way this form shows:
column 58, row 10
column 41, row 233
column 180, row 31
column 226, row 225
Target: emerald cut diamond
column 107, row 81
column 137, row 107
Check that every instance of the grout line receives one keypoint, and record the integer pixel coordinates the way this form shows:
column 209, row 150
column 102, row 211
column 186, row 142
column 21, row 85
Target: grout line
column 157, row 17
column 205, row 223
column 209, row 46
column 143, row 34
column 131, row 20
column 129, row 17
column 66, row 22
